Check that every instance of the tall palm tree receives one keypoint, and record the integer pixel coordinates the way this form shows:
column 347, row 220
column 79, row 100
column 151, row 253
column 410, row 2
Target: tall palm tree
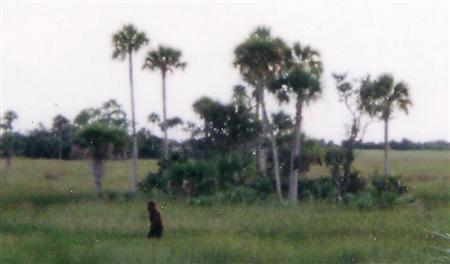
column 302, row 82
column 259, row 59
column 125, row 42
column 380, row 98
column 165, row 59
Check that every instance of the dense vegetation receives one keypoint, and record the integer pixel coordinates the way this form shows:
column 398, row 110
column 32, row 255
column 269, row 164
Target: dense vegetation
column 241, row 151
column 50, row 214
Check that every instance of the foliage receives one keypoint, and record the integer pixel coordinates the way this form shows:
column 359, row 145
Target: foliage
column 381, row 96
column 165, row 59
column 41, row 143
column 201, row 174
column 127, row 40
column 7, row 121
column 226, row 126
column 312, row 154
column 383, row 193
column 318, row 188
column 12, row 143
column 149, row 145
column 336, row 159
column 261, row 55
column 100, row 140
column 388, row 183
column 109, row 114
column 207, row 176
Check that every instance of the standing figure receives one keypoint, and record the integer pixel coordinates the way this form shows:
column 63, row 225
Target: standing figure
column 156, row 225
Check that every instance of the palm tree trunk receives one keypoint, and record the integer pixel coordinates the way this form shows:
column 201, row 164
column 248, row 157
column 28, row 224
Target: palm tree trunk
column 97, row 167
column 269, row 132
column 133, row 125
column 60, row 148
column 261, row 156
column 6, row 172
column 164, row 127
column 386, row 147
column 295, row 153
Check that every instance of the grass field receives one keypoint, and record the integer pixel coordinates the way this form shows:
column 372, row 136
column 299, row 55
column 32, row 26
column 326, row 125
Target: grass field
column 48, row 214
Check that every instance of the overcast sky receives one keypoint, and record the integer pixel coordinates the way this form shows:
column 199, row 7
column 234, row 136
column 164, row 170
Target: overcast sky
column 56, row 58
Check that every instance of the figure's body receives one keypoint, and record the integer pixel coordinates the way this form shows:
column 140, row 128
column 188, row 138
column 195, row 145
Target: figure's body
column 156, row 225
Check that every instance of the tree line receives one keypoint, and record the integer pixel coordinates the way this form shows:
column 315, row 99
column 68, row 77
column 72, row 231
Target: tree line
column 240, row 142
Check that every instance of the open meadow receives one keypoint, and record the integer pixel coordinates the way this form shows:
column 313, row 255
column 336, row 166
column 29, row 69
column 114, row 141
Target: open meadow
column 48, row 214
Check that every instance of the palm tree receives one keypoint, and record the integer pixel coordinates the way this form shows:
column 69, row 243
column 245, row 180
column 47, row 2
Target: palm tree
column 165, row 59
column 259, row 59
column 7, row 140
column 380, row 98
column 302, row 81
column 125, row 42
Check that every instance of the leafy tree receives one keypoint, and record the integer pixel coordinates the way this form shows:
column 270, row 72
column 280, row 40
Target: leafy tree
column 149, row 144
column 41, row 143
column 259, row 58
column 63, row 130
column 204, row 107
column 109, row 114
column 100, row 141
column 125, row 42
column 227, row 126
column 301, row 82
column 380, row 98
column 8, row 119
column 342, row 159
column 165, row 59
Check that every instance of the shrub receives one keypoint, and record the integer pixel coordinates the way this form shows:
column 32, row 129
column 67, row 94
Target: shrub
column 319, row 188
column 202, row 175
column 153, row 180
column 356, row 183
column 388, row 184
column 346, row 179
column 383, row 193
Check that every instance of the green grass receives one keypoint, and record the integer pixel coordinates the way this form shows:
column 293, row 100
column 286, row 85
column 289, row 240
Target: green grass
column 48, row 214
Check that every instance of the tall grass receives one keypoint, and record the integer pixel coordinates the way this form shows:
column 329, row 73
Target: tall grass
column 48, row 214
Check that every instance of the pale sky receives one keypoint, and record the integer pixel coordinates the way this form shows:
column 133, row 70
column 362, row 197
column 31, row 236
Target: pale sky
column 56, row 58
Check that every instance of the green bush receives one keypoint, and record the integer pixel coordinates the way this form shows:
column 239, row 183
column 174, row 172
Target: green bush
column 153, row 180
column 388, row 184
column 383, row 193
column 319, row 188
column 202, row 175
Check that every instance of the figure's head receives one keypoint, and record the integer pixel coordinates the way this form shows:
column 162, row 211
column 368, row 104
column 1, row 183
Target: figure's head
column 151, row 205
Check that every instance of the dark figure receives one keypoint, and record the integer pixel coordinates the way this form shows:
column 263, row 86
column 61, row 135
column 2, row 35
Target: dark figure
column 156, row 225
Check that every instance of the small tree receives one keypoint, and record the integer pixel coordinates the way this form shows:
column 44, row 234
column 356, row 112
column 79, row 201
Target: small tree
column 380, row 98
column 100, row 141
column 340, row 160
